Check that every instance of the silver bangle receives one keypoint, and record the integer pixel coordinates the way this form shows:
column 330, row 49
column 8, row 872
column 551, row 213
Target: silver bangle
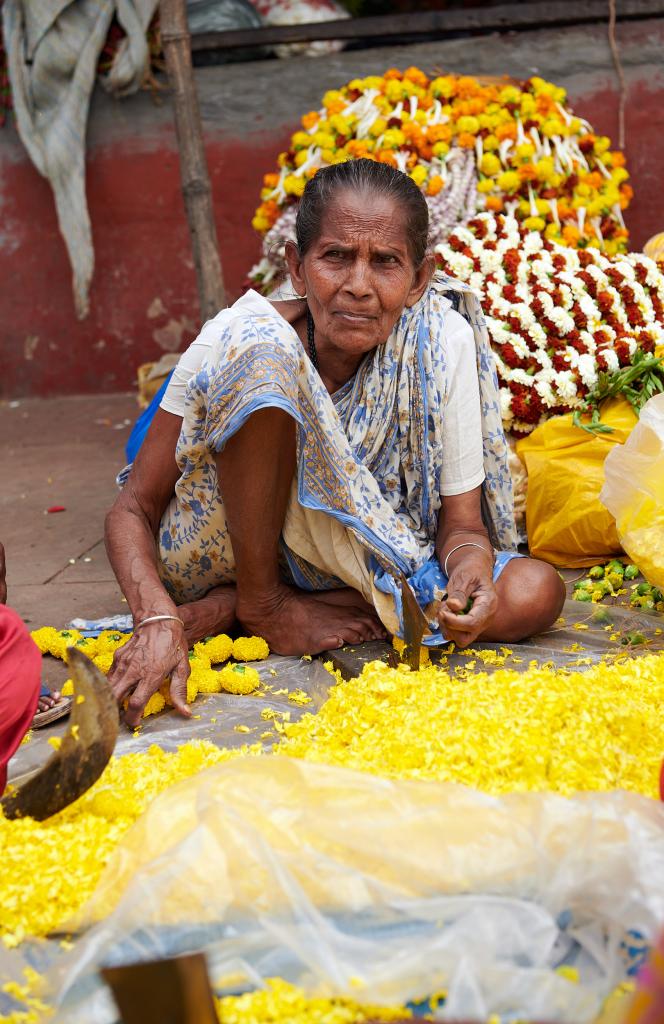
column 157, row 618
column 466, row 544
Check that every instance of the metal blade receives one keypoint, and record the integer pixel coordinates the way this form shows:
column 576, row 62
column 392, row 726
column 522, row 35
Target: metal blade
column 85, row 750
column 415, row 625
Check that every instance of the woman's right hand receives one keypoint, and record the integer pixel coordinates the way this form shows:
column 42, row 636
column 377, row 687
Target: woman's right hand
column 155, row 652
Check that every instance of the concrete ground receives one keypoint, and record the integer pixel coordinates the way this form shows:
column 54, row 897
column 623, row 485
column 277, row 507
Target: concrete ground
column 61, row 451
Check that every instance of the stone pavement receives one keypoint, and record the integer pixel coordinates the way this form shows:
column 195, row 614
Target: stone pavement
column 61, row 451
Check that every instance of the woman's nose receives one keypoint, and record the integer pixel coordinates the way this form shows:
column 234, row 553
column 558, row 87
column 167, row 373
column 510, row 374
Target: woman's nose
column 358, row 281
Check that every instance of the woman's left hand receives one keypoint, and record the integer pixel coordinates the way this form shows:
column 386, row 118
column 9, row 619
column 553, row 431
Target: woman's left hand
column 469, row 580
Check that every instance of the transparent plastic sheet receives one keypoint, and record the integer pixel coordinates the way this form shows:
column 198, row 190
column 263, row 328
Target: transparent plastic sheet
column 633, row 491
column 482, row 895
column 391, row 890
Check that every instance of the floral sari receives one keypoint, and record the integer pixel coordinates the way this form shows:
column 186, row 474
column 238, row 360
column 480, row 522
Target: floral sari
column 369, row 458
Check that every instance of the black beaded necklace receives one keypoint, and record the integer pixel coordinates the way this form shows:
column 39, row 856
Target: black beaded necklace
column 313, row 354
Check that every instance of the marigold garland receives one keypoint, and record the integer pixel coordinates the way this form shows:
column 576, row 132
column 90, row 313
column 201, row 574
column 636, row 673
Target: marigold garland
column 557, row 317
column 470, row 145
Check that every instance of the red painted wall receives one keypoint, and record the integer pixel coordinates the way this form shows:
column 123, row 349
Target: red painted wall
column 143, row 298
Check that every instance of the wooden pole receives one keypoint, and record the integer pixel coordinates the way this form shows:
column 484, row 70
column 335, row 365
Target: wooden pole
column 196, row 190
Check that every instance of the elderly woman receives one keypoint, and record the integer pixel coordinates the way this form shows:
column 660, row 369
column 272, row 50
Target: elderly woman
column 307, row 452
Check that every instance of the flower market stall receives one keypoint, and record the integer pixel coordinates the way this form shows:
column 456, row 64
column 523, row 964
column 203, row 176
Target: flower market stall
column 526, row 205
column 480, row 838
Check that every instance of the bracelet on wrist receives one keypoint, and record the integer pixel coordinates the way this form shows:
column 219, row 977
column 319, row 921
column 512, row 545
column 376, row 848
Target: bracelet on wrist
column 467, row 544
column 157, row 618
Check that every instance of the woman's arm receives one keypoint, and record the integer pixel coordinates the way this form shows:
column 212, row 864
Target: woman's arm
column 159, row 649
column 470, row 567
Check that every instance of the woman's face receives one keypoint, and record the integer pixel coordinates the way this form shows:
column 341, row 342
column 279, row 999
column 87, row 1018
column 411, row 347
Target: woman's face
column 358, row 275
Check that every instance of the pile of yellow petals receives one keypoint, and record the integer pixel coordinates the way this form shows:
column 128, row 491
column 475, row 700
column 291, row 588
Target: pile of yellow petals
column 50, row 868
column 234, row 678
column 540, row 729
column 282, row 1003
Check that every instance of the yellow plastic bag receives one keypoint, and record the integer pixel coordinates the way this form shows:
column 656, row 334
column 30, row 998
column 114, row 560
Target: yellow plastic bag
column 634, row 491
column 566, row 523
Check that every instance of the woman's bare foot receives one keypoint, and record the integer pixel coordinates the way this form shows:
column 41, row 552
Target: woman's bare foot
column 294, row 622
column 210, row 615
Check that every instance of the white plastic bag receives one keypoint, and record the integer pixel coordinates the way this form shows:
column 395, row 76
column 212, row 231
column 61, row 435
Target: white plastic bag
column 342, row 881
column 633, row 491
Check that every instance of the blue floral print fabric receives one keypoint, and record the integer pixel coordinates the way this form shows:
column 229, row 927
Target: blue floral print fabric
column 370, row 455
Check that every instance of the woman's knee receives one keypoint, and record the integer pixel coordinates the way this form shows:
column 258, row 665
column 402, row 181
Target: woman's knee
column 535, row 596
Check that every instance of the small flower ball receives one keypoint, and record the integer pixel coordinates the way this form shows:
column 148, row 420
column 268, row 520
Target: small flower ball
column 250, row 648
column 209, row 681
column 217, row 648
column 239, row 679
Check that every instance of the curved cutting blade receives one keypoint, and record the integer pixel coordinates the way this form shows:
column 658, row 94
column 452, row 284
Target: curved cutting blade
column 85, row 750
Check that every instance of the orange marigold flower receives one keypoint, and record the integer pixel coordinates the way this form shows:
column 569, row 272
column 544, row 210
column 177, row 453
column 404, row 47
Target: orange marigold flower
column 505, row 131
column 571, row 234
column 436, row 183
column 416, row 76
column 392, row 73
column 439, row 133
column 494, row 203
column 618, row 158
column 386, row 156
column 335, row 106
column 467, row 86
column 357, row 148
column 271, row 180
column 594, row 179
column 527, row 172
column 310, row 120
column 466, row 140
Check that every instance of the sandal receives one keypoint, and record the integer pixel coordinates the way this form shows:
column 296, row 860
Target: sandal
column 59, row 710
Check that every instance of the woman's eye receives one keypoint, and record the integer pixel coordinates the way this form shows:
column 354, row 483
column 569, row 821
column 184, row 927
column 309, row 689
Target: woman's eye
column 334, row 254
column 386, row 258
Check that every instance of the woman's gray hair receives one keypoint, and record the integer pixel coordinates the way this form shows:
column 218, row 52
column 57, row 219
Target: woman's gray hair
column 368, row 176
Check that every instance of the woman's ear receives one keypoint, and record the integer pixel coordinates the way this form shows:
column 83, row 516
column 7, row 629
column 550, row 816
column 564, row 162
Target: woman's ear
column 421, row 279
column 294, row 263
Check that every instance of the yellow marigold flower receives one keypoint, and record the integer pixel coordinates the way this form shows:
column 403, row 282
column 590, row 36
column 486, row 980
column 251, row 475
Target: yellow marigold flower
column 250, row 648
column 534, row 223
column 490, row 164
column 393, row 138
column 301, row 140
column 294, row 185
column 510, row 94
column 490, row 143
column 525, row 150
column 553, row 126
column 155, row 704
column 545, row 168
column 208, row 680
column 485, row 185
column 378, row 127
column 468, row 124
column 104, row 661
column 217, row 648
column 332, row 97
column 192, row 688
column 239, row 679
column 444, row 86
column 395, row 90
column 419, row 175
column 301, row 157
column 441, row 149
column 509, row 181
column 45, row 638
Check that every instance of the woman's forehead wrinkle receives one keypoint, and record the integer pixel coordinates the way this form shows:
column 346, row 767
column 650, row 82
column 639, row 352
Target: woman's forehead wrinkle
column 375, row 231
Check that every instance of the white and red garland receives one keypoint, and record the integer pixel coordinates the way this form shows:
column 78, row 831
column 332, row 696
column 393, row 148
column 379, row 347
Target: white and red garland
column 556, row 316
